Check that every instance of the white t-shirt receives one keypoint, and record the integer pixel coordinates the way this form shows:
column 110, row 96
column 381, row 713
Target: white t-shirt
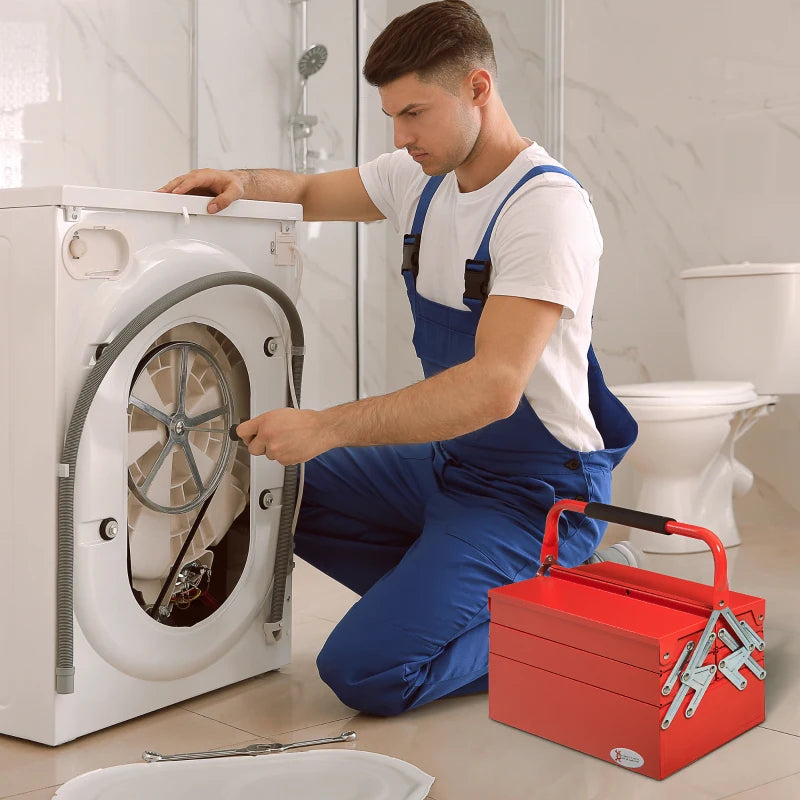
column 545, row 245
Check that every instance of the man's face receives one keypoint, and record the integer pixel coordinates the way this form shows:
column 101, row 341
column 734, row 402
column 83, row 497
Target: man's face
column 439, row 129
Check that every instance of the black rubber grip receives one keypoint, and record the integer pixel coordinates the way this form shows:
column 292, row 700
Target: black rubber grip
column 232, row 433
column 629, row 517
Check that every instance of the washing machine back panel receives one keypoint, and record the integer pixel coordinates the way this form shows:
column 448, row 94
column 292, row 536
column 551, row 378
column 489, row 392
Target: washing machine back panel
column 54, row 316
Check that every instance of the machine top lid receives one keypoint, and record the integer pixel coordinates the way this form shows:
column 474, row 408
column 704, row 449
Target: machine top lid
column 706, row 393
column 734, row 270
column 131, row 200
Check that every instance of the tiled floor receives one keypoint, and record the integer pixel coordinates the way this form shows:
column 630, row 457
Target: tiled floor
column 472, row 757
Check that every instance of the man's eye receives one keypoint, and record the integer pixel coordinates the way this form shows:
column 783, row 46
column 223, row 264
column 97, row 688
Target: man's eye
column 412, row 113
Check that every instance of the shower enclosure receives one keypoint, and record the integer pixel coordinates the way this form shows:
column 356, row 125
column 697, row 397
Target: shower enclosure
column 301, row 123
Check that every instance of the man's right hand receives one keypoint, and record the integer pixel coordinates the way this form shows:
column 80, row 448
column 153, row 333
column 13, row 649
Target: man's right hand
column 224, row 186
column 338, row 195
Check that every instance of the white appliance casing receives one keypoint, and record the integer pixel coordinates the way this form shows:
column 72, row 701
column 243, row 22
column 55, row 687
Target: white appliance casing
column 51, row 323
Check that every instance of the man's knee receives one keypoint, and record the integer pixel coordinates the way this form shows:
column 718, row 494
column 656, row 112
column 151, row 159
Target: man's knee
column 358, row 682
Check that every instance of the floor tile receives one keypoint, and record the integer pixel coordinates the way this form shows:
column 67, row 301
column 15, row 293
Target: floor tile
column 783, row 789
column 474, row 758
column 782, row 657
column 25, row 765
column 290, row 698
column 320, row 596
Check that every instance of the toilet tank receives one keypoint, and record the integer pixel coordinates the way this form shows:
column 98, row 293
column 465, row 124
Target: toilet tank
column 743, row 323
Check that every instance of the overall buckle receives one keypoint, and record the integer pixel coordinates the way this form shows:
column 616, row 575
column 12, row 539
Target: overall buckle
column 411, row 254
column 476, row 281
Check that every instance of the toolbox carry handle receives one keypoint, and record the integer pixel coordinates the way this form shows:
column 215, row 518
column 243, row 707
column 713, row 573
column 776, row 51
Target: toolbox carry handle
column 637, row 519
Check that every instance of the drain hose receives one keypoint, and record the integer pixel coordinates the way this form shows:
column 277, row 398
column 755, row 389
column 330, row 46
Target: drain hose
column 65, row 667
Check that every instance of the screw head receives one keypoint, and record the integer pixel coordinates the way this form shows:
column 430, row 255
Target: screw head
column 265, row 499
column 109, row 528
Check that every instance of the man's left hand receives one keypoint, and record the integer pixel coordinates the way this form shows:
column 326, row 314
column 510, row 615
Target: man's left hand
column 286, row 435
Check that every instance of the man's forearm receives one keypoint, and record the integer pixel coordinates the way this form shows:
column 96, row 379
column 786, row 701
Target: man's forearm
column 277, row 185
column 452, row 403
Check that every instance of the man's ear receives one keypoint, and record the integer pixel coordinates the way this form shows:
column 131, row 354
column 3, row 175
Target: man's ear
column 481, row 86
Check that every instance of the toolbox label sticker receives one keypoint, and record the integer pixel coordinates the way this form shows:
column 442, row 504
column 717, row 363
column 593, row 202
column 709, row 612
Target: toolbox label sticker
column 626, row 758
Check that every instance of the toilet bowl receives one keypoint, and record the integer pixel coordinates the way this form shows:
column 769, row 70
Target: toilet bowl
column 684, row 455
column 743, row 336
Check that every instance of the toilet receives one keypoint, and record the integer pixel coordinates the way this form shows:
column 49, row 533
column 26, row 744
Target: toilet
column 743, row 328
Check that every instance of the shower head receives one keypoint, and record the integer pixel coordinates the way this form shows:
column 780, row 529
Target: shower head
column 312, row 60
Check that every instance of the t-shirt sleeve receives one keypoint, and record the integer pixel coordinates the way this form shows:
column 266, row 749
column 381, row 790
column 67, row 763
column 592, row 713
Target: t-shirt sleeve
column 545, row 246
column 394, row 183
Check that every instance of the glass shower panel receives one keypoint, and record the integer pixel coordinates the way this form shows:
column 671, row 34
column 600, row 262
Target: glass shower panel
column 387, row 360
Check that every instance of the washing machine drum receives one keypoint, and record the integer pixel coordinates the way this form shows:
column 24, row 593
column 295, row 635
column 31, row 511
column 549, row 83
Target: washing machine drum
column 187, row 391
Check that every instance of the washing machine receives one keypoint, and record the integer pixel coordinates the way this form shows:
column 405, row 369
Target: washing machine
column 145, row 557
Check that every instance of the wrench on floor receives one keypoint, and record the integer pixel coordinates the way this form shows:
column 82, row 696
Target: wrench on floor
column 250, row 750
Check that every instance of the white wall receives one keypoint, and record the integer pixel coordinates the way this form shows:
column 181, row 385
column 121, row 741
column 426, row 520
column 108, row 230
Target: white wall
column 683, row 120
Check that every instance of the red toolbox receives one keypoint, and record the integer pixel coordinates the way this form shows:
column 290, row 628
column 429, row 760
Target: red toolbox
column 640, row 669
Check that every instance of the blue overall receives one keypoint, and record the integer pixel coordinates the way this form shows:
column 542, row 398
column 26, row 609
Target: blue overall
column 422, row 532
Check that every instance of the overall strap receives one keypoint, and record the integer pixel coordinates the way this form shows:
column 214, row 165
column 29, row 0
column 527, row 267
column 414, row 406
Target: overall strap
column 477, row 270
column 411, row 241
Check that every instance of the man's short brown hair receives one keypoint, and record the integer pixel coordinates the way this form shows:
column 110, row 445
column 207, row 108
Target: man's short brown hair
column 440, row 41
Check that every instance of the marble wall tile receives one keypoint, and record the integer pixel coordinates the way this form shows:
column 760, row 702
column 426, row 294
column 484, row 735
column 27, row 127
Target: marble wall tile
column 245, row 81
column 249, row 87
column 82, row 99
column 684, row 123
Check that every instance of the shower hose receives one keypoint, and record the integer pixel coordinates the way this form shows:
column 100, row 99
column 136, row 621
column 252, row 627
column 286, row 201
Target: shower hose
column 65, row 667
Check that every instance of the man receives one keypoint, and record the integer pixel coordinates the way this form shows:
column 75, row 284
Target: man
column 423, row 499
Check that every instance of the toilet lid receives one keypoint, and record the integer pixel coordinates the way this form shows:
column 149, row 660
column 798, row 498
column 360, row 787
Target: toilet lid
column 687, row 393
column 333, row 774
